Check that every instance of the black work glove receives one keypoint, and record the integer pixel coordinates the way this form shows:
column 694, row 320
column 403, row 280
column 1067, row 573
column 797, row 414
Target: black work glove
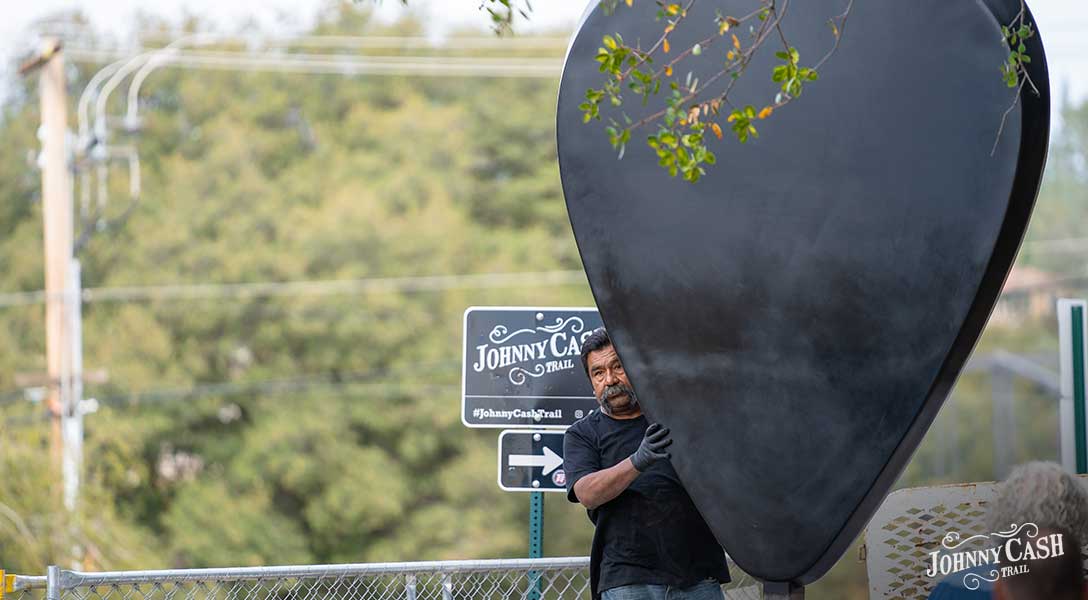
column 652, row 448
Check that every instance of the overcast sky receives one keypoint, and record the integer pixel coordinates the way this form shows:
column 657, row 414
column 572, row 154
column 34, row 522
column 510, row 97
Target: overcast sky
column 1063, row 23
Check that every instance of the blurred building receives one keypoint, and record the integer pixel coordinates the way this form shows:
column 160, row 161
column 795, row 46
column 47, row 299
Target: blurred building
column 1030, row 294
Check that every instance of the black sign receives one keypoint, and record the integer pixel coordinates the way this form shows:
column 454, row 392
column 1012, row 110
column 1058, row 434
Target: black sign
column 531, row 461
column 521, row 366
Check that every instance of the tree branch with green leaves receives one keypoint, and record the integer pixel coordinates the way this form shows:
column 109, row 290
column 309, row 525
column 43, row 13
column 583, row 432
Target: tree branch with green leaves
column 689, row 114
column 1013, row 71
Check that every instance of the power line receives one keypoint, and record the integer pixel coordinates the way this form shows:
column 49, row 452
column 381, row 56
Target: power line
column 25, row 421
column 202, row 53
column 271, row 387
column 161, row 396
column 70, row 32
column 424, row 66
column 1060, row 246
column 376, row 378
column 22, row 298
column 213, row 291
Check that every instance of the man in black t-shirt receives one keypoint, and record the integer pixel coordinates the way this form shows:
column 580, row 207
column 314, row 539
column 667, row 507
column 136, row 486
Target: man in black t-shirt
column 650, row 542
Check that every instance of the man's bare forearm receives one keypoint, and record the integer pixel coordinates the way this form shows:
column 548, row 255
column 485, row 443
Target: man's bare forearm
column 597, row 488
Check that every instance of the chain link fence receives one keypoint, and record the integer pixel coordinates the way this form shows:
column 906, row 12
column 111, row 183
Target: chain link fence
column 517, row 579
column 898, row 539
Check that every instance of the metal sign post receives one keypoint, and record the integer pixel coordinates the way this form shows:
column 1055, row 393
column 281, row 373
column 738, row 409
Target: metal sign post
column 522, row 366
column 536, row 540
column 526, row 459
column 1071, row 339
column 532, row 461
column 783, row 591
column 536, row 524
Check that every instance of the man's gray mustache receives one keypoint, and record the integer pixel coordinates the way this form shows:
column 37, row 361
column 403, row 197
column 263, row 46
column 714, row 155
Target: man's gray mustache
column 612, row 391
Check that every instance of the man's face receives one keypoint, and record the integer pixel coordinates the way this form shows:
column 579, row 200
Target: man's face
column 610, row 385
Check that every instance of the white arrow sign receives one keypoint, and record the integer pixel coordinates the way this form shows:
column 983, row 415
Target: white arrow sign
column 549, row 460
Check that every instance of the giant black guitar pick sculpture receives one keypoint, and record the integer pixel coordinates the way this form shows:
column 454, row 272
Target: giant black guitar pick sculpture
column 798, row 316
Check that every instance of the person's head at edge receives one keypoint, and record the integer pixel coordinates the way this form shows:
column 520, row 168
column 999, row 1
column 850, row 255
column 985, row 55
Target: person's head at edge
column 1045, row 494
column 1053, row 578
column 1042, row 493
column 611, row 387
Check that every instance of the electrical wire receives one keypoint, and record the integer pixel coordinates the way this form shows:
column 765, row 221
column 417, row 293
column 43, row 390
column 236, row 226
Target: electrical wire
column 270, row 387
column 373, row 379
column 163, row 397
column 531, row 42
column 425, row 66
column 213, row 291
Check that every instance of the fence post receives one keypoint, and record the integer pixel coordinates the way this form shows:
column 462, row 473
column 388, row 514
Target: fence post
column 52, row 582
column 410, row 586
column 447, row 586
column 1071, row 337
column 1003, row 398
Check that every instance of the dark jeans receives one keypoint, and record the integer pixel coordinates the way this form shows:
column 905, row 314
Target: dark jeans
column 709, row 589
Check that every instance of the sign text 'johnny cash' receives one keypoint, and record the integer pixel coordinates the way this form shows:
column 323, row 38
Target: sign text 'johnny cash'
column 549, row 355
column 522, row 366
column 1009, row 557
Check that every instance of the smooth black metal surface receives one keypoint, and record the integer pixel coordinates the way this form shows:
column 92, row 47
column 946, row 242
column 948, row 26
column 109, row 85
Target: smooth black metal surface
column 799, row 315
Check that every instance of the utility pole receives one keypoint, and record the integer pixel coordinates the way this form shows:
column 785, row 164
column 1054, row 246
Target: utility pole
column 62, row 346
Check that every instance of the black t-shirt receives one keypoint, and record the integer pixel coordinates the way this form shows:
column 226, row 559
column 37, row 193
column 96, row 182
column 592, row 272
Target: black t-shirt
column 651, row 532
